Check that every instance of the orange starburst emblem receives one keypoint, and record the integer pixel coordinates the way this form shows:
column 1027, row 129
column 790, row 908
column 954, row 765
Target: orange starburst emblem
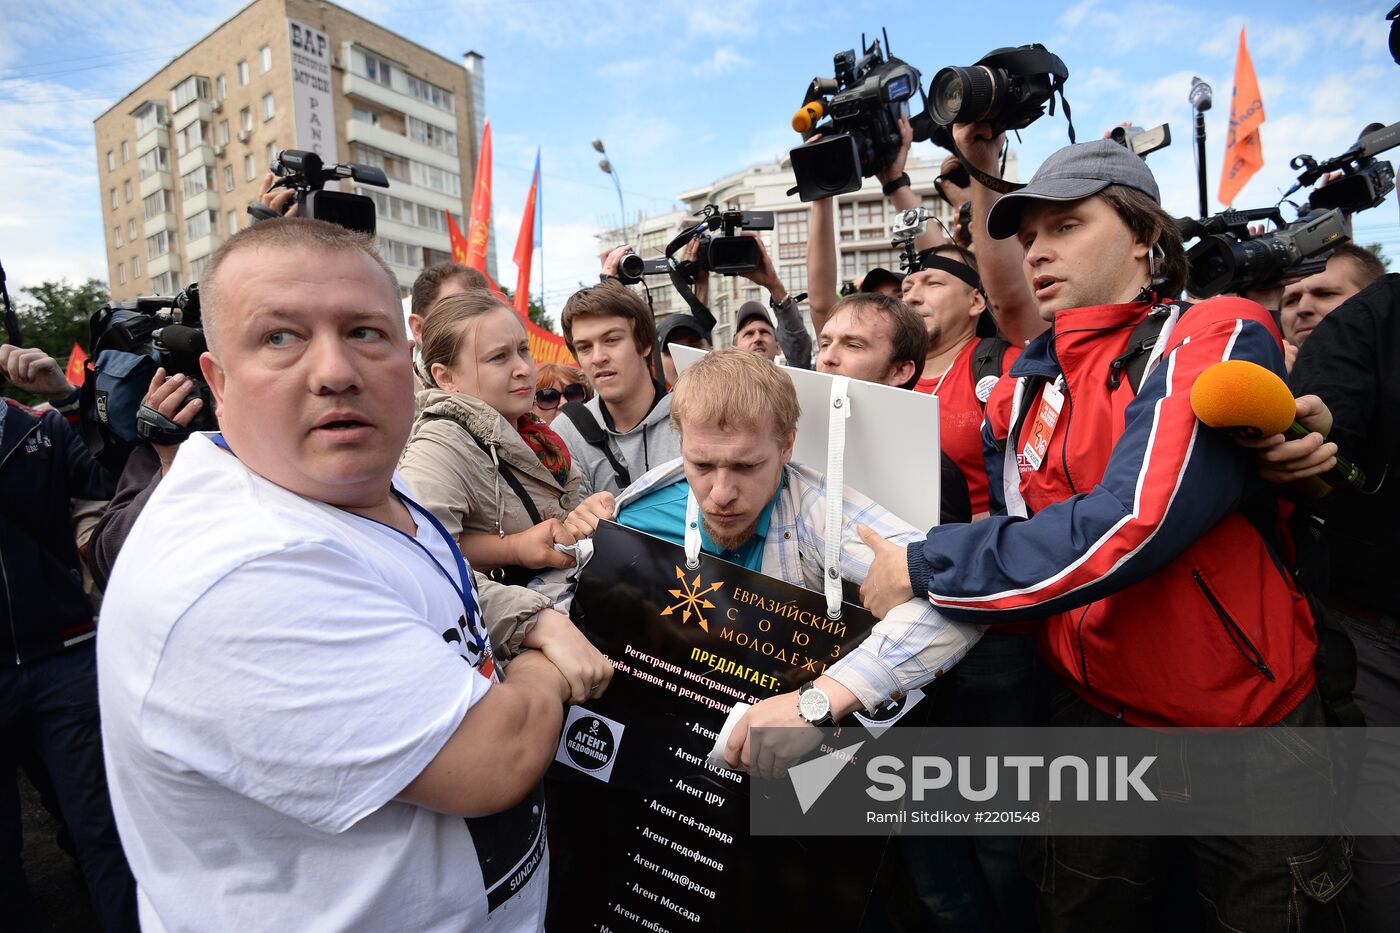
column 691, row 599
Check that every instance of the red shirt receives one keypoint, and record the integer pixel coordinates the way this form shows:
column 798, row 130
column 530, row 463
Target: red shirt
column 960, row 419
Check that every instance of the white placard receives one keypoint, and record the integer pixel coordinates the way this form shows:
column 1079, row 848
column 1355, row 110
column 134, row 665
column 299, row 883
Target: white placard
column 891, row 440
column 312, row 108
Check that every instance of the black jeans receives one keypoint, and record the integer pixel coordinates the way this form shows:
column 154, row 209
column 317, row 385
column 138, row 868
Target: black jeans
column 52, row 705
column 1269, row 884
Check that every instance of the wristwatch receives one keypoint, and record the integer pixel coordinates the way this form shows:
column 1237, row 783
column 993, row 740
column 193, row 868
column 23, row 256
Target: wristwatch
column 814, row 705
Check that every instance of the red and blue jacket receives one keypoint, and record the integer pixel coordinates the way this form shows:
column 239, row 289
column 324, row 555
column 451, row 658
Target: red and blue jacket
column 1158, row 599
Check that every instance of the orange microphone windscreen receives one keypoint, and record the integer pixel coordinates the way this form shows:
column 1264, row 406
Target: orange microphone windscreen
column 1244, row 397
column 807, row 116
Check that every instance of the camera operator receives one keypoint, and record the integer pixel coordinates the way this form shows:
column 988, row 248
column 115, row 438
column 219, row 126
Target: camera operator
column 48, row 680
column 1106, row 523
column 822, row 265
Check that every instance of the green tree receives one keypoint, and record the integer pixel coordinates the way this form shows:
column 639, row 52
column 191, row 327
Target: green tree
column 1380, row 253
column 56, row 315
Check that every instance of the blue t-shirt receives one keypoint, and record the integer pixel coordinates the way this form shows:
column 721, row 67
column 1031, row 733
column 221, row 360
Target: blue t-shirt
column 661, row 513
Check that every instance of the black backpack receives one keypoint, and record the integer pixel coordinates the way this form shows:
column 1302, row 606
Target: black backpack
column 594, row 434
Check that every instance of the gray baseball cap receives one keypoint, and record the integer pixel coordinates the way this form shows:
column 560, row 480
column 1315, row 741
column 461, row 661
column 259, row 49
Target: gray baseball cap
column 1072, row 173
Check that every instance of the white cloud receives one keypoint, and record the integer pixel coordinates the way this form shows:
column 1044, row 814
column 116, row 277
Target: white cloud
column 726, row 58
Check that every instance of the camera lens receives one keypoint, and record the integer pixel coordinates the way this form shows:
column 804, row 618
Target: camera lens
column 630, row 266
column 961, row 95
column 911, row 217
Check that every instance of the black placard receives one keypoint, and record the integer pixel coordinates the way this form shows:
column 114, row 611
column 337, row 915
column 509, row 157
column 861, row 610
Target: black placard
column 645, row 834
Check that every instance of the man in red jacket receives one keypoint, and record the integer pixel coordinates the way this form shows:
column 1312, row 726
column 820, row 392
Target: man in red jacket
column 1139, row 539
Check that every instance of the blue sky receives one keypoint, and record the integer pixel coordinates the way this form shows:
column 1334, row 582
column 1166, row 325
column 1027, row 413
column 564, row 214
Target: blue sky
column 683, row 93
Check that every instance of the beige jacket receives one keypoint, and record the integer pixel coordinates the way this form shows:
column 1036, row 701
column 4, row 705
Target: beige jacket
column 459, row 483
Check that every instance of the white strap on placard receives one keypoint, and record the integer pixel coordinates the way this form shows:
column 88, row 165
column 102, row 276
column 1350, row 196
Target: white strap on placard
column 692, row 531
column 1010, row 469
column 838, row 411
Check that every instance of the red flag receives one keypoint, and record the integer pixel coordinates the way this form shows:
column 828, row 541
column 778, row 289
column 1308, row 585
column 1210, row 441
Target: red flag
column 480, row 229
column 525, row 246
column 458, row 241
column 1244, row 153
column 74, row 372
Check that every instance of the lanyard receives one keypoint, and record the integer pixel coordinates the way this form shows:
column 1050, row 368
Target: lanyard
column 466, row 591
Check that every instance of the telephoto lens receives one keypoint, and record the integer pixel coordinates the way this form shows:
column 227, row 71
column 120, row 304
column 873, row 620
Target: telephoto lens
column 962, row 95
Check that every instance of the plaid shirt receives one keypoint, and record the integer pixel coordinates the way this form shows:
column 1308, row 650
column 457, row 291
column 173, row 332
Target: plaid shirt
column 910, row 646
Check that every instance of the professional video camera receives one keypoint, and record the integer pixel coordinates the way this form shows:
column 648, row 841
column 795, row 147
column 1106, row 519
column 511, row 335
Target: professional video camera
column 857, row 112
column 1365, row 181
column 1009, row 88
column 129, row 340
column 305, row 173
column 727, row 252
column 1229, row 258
column 1141, row 142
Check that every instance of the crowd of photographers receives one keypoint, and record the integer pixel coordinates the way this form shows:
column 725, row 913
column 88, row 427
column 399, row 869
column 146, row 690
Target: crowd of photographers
column 1102, row 559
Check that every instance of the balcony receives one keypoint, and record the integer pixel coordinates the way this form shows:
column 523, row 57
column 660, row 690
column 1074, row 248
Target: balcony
column 202, row 247
column 198, row 109
column 156, row 181
column 359, row 86
column 201, row 155
column 170, row 262
column 156, row 224
column 206, row 200
column 149, row 140
column 357, row 131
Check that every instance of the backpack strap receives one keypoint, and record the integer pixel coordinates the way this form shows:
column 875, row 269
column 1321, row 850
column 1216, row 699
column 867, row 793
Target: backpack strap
column 504, row 469
column 986, row 362
column 593, row 433
column 1132, row 362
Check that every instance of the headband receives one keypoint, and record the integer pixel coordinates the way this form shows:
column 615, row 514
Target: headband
column 960, row 270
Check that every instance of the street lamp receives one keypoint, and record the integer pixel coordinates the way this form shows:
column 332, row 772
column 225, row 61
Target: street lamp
column 608, row 169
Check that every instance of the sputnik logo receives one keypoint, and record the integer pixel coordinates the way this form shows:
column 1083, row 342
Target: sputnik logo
column 692, row 599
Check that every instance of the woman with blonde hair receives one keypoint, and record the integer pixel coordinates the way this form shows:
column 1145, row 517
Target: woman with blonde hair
column 496, row 476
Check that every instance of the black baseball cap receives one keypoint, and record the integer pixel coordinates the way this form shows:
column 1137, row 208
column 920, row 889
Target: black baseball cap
column 880, row 276
column 674, row 322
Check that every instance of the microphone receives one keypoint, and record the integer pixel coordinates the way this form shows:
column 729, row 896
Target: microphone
column 182, row 338
column 1249, row 401
column 807, row 116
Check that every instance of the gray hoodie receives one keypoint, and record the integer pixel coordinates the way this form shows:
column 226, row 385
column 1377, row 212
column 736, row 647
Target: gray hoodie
column 651, row 443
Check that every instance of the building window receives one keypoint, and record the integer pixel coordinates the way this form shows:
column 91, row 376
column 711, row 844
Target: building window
column 245, row 120
column 243, row 73
column 378, row 70
column 250, row 168
column 117, row 235
column 190, row 90
column 126, row 190
column 201, row 225
column 192, row 137
column 157, row 160
column 126, row 152
column 150, row 116
column 232, row 222
column 197, row 267
column 136, row 267
column 112, row 198
column 131, row 229
column 157, row 246
column 111, row 160
column 228, row 177
column 430, row 135
column 268, row 107
column 792, row 235
column 197, row 182
column 121, row 273
column 360, row 114
column 265, row 55
column 437, row 179
column 430, row 94
column 159, row 203
column 220, row 88
column 223, row 132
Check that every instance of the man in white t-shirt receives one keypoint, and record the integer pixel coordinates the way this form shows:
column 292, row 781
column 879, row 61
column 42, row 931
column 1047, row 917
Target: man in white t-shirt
column 304, row 721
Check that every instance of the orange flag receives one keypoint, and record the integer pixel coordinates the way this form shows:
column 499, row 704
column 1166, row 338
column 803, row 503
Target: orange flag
column 480, row 228
column 1244, row 153
column 74, row 372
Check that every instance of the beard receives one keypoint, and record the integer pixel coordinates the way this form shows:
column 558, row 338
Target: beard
column 729, row 541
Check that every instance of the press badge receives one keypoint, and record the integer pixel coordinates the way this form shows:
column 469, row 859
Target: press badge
column 1046, row 417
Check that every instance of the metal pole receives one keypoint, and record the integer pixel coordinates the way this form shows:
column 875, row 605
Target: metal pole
column 1200, row 98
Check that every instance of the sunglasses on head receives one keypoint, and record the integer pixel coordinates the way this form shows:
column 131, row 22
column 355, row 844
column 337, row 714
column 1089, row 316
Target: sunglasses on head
column 549, row 399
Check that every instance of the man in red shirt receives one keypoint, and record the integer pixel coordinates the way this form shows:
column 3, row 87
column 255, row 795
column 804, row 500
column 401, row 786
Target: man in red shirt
column 961, row 367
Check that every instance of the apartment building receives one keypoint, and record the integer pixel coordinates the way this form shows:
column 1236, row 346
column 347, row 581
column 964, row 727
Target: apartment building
column 180, row 157
column 863, row 222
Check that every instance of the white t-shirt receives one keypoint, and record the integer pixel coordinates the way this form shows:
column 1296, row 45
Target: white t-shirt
column 273, row 671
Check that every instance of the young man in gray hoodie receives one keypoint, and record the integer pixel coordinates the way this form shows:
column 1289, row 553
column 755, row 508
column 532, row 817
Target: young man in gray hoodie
column 625, row 429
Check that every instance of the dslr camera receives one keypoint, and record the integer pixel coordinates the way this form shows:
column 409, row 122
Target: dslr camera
column 306, row 174
column 1229, row 259
column 129, row 341
column 1008, row 88
column 857, row 112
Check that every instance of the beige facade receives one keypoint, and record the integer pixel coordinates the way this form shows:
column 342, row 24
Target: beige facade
column 180, row 157
column 863, row 222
